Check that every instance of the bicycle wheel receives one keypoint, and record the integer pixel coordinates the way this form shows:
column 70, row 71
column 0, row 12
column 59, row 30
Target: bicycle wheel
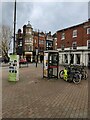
column 61, row 74
column 85, row 75
column 77, row 78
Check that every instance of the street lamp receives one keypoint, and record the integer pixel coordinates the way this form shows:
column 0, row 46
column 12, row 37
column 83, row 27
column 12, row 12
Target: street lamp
column 14, row 27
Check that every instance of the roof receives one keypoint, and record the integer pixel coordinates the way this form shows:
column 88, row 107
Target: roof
column 29, row 25
column 73, row 26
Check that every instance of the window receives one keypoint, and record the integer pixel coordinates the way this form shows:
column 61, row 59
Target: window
column 88, row 30
column 62, row 47
column 74, row 45
column 88, row 44
column 30, row 40
column 63, row 36
column 25, row 48
column 30, row 48
column 41, row 42
column 35, row 41
column 74, row 33
column 28, row 30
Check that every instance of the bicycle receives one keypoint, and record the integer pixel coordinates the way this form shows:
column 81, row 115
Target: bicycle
column 70, row 74
column 82, row 71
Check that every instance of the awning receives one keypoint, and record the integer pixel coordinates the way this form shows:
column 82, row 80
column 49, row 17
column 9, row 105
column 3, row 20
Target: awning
column 28, row 53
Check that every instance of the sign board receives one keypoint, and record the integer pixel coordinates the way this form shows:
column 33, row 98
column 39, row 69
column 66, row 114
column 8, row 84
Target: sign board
column 14, row 68
column 45, row 64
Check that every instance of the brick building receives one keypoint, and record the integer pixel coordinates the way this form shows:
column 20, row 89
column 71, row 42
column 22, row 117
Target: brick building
column 28, row 41
column 49, row 41
column 54, row 36
column 33, row 41
column 73, row 44
column 39, row 43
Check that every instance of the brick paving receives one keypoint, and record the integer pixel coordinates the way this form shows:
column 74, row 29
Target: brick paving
column 35, row 97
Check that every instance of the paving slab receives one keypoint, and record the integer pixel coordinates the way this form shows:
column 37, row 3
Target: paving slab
column 36, row 97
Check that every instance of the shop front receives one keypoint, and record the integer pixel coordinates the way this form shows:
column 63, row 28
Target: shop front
column 29, row 56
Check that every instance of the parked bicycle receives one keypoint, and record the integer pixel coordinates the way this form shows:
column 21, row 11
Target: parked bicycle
column 70, row 74
column 82, row 70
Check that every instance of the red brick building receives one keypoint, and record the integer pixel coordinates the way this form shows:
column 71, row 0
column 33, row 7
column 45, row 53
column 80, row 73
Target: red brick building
column 73, row 44
column 39, row 43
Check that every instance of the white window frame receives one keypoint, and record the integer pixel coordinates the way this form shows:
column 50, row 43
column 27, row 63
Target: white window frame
column 35, row 41
column 62, row 46
column 88, row 30
column 30, row 40
column 63, row 36
column 88, row 43
column 74, row 33
column 74, row 44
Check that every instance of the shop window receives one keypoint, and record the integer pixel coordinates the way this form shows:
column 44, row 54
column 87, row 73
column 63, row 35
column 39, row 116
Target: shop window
column 66, row 58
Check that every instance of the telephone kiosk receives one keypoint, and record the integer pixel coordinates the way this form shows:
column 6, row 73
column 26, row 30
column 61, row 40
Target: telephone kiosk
column 50, row 64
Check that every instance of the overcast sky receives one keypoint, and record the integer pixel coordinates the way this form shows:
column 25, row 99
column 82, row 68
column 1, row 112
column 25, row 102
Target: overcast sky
column 45, row 16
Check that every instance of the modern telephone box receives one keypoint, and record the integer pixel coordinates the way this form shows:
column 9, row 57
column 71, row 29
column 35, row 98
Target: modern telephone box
column 50, row 64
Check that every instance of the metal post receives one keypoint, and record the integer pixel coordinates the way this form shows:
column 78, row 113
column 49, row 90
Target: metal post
column 38, row 46
column 36, row 60
column 14, row 27
column 70, row 55
column 36, row 56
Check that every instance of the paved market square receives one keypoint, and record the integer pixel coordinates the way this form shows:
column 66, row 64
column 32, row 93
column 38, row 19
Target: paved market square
column 36, row 97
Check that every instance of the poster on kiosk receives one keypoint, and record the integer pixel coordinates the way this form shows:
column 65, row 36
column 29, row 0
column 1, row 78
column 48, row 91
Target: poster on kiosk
column 45, row 74
column 14, row 68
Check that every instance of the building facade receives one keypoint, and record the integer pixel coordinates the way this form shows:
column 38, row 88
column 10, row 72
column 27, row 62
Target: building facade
column 34, row 43
column 54, row 36
column 49, row 41
column 28, row 42
column 73, row 44
column 39, row 44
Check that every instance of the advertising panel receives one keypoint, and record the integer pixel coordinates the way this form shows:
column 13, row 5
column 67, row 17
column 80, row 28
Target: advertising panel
column 14, row 68
column 45, row 64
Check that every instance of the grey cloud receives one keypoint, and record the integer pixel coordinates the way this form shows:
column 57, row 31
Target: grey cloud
column 47, row 16
column 7, row 13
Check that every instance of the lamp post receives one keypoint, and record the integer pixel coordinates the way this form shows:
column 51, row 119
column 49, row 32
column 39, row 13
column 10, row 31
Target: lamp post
column 38, row 46
column 14, row 27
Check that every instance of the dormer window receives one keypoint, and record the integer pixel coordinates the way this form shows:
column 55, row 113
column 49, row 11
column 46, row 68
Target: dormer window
column 63, row 36
column 74, row 33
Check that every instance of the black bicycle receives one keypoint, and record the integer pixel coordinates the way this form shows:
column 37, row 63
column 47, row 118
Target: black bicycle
column 70, row 74
column 83, row 72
